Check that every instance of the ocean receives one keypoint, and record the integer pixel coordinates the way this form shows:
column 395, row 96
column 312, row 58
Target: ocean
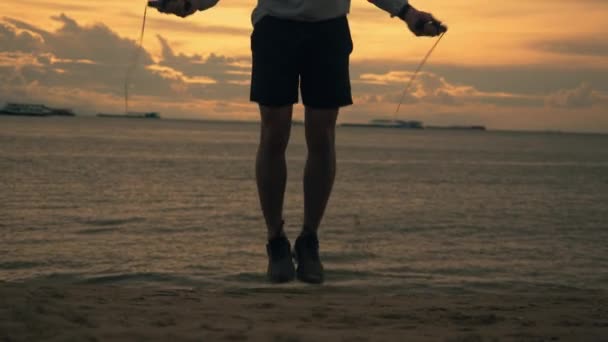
column 118, row 201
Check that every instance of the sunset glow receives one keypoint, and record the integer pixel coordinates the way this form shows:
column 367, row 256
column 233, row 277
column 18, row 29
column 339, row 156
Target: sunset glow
column 508, row 65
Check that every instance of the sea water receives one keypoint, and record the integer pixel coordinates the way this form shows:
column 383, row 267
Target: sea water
column 174, row 202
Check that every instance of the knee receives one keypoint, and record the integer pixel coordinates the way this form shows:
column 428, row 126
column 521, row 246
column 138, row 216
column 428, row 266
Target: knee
column 321, row 130
column 275, row 129
column 320, row 141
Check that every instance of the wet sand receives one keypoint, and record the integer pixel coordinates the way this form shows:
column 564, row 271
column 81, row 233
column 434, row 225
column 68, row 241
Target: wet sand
column 93, row 312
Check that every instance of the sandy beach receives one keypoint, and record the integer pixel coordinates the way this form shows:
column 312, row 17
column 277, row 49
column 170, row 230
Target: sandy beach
column 36, row 312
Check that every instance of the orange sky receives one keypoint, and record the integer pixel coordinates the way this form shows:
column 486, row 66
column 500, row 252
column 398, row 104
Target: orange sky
column 508, row 64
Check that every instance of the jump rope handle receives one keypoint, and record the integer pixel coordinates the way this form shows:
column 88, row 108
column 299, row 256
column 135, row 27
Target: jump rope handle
column 160, row 4
column 420, row 25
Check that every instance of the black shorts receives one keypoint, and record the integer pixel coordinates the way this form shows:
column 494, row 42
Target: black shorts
column 313, row 55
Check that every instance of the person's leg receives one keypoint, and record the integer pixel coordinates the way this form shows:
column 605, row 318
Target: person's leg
column 274, row 86
column 320, row 170
column 271, row 176
column 271, row 168
column 325, row 85
column 319, row 175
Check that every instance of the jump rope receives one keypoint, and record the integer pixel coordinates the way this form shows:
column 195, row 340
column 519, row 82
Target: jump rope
column 161, row 3
column 133, row 65
column 415, row 74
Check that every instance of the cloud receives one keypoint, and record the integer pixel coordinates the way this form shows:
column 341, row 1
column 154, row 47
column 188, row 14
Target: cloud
column 582, row 46
column 216, row 67
column 432, row 88
column 74, row 42
column 583, row 96
column 94, row 59
column 12, row 39
column 524, row 79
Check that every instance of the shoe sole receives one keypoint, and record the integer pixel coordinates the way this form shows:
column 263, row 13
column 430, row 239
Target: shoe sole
column 310, row 280
column 307, row 278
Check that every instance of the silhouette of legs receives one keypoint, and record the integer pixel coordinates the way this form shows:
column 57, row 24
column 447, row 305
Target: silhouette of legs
column 320, row 170
column 271, row 168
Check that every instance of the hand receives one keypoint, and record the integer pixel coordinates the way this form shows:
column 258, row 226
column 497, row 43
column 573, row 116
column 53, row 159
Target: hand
column 423, row 23
column 181, row 8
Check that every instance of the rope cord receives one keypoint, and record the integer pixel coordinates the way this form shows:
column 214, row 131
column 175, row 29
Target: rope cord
column 135, row 59
column 413, row 78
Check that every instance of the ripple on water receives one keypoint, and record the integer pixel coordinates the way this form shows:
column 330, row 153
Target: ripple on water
column 145, row 277
column 110, row 221
column 95, row 231
column 19, row 265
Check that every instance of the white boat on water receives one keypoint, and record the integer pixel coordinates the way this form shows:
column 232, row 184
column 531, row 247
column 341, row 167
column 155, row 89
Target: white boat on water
column 384, row 123
column 131, row 115
column 28, row 109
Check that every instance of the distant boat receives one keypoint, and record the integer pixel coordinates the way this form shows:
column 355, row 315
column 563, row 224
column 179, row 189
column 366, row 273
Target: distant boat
column 380, row 123
column 131, row 115
column 28, row 109
column 473, row 128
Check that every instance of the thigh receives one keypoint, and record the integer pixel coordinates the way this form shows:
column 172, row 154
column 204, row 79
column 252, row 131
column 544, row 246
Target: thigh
column 320, row 118
column 325, row 78
column 276, row 116
column 274, row 75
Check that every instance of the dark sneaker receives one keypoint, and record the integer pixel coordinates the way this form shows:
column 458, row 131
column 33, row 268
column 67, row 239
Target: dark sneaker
column 310, row 269
column 280, row 263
